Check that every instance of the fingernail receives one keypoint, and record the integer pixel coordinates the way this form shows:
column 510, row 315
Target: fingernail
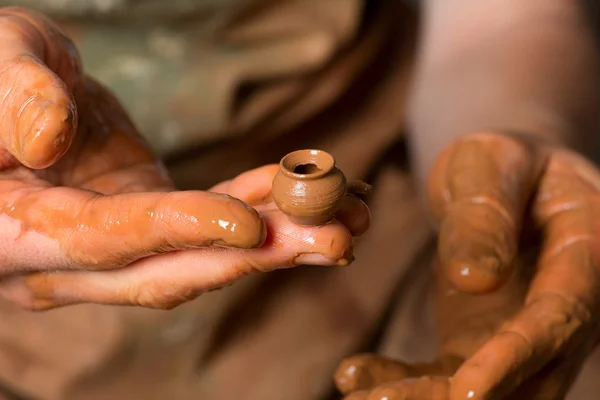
column 479, row 276
column 44, row 131
column 319, row 259
column 344, row 262
column 248, row 228
column 312, row 259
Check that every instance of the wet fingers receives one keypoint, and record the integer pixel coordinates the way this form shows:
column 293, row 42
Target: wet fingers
column 254, row 188
column 561, row 302
column 82, row 230
column 478, row 191
column 167, row 280
column 355, row 214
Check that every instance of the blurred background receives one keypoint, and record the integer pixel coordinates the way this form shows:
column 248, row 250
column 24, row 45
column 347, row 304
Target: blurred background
column 219, row 87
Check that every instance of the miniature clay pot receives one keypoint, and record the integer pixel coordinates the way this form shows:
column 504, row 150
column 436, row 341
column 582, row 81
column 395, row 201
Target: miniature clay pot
column 309, row 188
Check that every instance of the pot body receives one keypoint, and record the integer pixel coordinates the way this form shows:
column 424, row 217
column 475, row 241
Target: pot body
column 309, row 200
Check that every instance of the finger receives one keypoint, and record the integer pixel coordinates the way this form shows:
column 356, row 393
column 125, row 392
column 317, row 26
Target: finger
column 424, row 388
column 366, row 371
column 355, row 214
column 167, row 280
column 77, row 229
column 479, row 190
column 359, row 188
column 562, row 297
column 360, row 395
column 553, row 382
column 39, row 68
column 46, row 42
column 254, row 188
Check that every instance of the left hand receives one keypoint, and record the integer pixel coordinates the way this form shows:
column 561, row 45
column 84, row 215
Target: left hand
column 88, row 214
column 496, row 198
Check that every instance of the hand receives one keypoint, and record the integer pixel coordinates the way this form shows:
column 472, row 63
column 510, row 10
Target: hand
column 518, row 249
column 88, row 214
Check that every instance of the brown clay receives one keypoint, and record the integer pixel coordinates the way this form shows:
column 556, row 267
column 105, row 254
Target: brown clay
column 309, row 188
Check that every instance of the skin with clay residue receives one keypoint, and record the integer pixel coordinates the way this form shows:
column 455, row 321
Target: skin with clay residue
column 460, row 181
column 88, row 213
column 85, row 226
column 46, row 119
column 522, row 329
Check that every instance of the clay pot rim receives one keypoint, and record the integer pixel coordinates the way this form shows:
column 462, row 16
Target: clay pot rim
column 323, row 160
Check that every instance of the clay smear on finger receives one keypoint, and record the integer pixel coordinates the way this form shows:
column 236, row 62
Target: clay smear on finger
column 479, row 190
column 40, row 69
column 102, row 232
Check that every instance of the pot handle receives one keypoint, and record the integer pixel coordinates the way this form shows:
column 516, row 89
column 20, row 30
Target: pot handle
column 359, row 189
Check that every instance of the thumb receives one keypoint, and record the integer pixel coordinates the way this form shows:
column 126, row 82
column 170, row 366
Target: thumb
column 39, row 69
column 479, row 189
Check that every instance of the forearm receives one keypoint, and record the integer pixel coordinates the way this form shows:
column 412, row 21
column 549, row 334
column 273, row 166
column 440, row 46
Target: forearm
column 528, row 67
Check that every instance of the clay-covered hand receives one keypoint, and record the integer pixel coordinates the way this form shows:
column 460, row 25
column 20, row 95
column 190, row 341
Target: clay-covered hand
column 87, row 212
column 518, row 248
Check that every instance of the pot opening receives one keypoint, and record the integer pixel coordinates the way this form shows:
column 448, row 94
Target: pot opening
column 307, row 164
column 306, row 169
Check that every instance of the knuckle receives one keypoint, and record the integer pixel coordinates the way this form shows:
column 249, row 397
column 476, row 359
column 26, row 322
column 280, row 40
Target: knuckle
column 494, row 205
column 37, row 305
column 563, row 310
column 566, row 243
column 519, row 337
column 20, row 293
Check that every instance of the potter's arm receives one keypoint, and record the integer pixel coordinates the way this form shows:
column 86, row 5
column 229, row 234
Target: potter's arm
column 506, row 65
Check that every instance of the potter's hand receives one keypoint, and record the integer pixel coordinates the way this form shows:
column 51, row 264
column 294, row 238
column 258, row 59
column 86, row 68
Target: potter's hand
column 87, row 213
column 496, row 198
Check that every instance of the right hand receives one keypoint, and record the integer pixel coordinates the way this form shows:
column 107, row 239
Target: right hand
column 88, row 214
column 518, row 298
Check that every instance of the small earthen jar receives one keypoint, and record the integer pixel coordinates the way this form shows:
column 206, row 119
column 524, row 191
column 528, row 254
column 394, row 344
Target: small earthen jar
column 309, row 188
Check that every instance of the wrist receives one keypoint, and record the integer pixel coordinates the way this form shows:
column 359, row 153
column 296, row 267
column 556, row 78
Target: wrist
column 534, row 73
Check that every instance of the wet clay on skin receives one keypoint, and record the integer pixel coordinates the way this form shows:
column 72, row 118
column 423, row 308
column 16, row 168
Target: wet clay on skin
column 79, row 202
column 309, row 188
column 525, row 338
